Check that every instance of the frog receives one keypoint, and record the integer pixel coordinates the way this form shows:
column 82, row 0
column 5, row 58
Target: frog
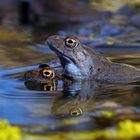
column 42, row 74
column 81, row 62
column 42, row 78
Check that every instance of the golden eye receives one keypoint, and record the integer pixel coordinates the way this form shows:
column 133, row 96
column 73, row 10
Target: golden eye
column 48, row 73
column 71, row 42
column 48, row 88
column 76, row 112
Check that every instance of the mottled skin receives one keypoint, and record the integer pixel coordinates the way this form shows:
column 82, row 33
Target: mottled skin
column 81, row 62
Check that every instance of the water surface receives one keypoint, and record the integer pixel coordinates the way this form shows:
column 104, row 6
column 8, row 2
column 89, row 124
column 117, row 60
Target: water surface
column 82, row 101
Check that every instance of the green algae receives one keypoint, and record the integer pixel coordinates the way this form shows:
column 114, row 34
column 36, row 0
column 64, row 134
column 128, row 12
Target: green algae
column 8, row 132
column 125, row 130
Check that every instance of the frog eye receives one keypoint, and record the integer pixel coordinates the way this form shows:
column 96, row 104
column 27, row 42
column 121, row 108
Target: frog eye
column 48, row 73
column 48, row 88
column 51, row 86
column 71, row 42
column 76, row 112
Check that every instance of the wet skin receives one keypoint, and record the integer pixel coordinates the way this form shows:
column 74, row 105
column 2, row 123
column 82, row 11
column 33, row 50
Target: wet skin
column 43, row 78
column 81, row 62
column 43, row 74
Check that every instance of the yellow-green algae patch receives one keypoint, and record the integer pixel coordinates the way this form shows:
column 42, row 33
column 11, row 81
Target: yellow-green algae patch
column 107, row 114
column 8, row 132
column 126, row 130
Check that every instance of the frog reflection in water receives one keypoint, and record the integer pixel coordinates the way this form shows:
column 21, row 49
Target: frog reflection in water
column 81, row 98
column 81, row 62
column 43, row 78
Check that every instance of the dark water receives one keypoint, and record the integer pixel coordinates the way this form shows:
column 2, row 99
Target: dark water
column 81, row 101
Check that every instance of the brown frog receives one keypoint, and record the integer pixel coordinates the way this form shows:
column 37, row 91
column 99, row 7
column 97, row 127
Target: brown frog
column 43, row 78
column 82, row 62
column 42, row 74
